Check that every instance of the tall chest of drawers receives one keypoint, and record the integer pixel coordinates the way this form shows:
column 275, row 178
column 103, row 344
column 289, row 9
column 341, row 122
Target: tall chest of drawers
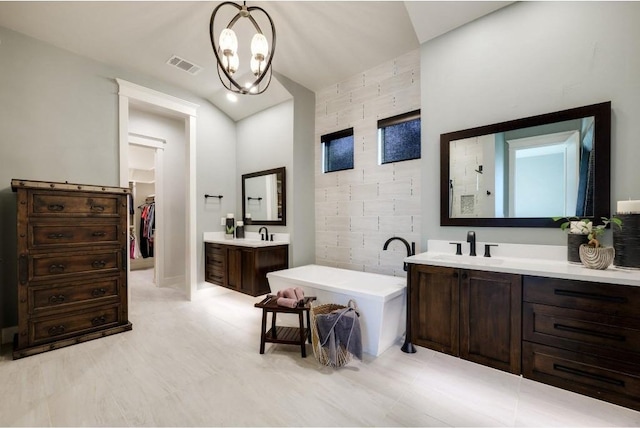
column 72, row 264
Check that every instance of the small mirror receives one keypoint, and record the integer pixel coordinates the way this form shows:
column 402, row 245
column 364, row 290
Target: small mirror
column 526, row 171
column 264, row 197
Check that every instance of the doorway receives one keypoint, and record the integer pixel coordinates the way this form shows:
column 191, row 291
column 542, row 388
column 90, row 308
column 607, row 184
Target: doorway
column 147, row 99
column 146, row 163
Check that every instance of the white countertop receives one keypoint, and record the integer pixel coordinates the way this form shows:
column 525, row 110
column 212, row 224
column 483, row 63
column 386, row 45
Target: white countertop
column 252, row 239
column 535, row 260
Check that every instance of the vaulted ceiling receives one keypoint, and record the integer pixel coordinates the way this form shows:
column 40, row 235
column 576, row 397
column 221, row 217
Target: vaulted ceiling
column 319, row 43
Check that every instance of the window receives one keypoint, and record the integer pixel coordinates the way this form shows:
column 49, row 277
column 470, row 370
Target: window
column 337, row 150
column 399, row 137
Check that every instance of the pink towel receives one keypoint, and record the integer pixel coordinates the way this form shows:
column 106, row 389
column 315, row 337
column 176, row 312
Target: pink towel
column 299, row 293
column 289, row 303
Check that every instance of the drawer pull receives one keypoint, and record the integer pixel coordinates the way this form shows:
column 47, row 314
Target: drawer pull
column 60, row 298
column 578, row 372
column 97, row 292
column 55, row 207
column 56, row 330
column 592, row 296
column 98, row 320
column 58, row 236
column 586, row 331
column 99, row 264
column 56, row 268
column 98, row 208
column 99, row 234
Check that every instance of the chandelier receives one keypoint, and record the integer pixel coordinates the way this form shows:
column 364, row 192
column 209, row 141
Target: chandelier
column 226, row 51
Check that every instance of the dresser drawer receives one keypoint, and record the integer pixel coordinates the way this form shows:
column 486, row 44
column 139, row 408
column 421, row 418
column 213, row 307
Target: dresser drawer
column 615, row 337
column 56, row 265
column 61, row 204
column 42, row 236
column 59, row 327
column 616, row 381
column 67, row 295
column 619, row 300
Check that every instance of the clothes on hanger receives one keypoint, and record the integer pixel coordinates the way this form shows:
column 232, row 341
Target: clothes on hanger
column 147, row 228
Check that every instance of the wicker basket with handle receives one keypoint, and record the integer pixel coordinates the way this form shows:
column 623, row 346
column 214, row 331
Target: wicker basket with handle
column 321, row 354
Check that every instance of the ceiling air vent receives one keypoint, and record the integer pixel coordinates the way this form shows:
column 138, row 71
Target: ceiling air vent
column 184, row 65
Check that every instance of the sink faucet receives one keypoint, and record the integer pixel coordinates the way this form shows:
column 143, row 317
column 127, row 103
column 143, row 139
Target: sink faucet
column 471, row 239
column 411, row 250
column 264, row 237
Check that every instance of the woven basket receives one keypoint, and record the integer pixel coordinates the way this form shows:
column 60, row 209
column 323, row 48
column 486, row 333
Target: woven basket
column 321, row 354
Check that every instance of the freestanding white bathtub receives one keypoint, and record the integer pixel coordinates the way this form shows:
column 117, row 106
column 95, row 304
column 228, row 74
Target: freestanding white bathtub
column 381, row 299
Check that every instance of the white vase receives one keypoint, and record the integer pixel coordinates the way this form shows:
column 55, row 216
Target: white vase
column 596, row 257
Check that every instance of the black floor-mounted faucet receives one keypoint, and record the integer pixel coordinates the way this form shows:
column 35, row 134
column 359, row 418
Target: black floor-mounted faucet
column 471, row 239
column 411, row 250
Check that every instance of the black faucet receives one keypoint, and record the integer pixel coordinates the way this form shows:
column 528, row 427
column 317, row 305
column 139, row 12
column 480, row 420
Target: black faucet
column 471, row 239
column 411, row 250
column 264, row 237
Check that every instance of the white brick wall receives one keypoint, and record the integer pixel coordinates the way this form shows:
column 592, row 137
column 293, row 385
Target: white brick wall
column 358, row 210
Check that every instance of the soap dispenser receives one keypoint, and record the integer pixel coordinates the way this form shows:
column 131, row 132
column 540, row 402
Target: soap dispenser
column 240, row 230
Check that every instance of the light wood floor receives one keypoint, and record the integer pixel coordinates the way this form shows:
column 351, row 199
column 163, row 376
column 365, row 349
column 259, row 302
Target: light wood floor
column 197, row 364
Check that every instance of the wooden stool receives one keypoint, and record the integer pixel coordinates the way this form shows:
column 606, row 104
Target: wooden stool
column 286, row 335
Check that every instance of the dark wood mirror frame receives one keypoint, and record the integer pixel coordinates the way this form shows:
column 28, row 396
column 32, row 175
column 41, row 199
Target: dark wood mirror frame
column 602, row 146
column 280, row 172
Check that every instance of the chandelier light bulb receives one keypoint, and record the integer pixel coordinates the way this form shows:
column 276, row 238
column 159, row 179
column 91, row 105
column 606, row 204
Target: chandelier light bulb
column 259, row 47
column 257, row 66
column 228, row 42
column 231, row 63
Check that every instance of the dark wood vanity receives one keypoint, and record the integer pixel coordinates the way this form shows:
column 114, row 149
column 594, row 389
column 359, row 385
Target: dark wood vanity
column 478, row 314
column 244, row 268
column 577, row 335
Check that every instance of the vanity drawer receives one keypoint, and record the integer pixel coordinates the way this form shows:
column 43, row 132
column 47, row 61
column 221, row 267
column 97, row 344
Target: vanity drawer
column 71, row 294
column 214, row 278
column 615, row 337
column 55, row 265
column 43, row 236
column 58, row 327
column 612, row 380
column 618, row 300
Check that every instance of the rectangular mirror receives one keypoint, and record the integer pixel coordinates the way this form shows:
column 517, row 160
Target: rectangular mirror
column 264, row 197
column 523, row 172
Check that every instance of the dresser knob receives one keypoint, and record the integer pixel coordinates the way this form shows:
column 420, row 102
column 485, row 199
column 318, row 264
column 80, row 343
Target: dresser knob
column 56, row 268
column 56, row 330
column 97, row 292
column 98, row 320
column 60, row 298
column 99, row 264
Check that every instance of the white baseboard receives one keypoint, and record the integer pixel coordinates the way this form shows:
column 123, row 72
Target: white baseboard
column 8, row 333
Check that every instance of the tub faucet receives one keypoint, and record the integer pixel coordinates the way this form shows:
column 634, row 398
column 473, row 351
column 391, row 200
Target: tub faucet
column 471, row 239
column 264, row 237
column 411, row 250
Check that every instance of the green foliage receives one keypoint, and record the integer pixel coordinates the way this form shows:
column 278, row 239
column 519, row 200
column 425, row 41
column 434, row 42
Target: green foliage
column 595, row 232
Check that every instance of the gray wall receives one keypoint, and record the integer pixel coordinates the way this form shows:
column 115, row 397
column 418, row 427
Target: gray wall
column 527, row 59
column 59, row 122
column 301, row 210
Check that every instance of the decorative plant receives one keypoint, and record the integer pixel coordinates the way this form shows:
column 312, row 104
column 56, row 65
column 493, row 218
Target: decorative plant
column 586, row 227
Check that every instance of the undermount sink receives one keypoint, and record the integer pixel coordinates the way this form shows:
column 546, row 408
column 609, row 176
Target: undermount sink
column 478, row 260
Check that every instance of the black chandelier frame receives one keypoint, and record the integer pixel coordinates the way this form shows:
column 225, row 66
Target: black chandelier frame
column 230, row 83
